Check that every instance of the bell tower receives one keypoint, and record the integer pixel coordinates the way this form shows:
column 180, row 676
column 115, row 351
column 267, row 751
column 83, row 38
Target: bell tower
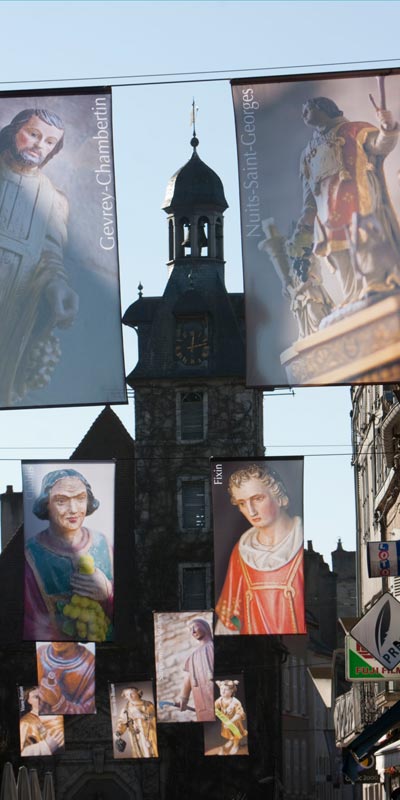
column 191, row 403
column 195, row 203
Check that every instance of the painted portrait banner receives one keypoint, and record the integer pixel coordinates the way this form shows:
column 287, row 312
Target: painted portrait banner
column 258, row 545
column 39, row 735
column 69, row 538
column 133, row 719
column 60, row 317
column 319, row 159
column 184, row 651
column 227, row 736
column 66, row 677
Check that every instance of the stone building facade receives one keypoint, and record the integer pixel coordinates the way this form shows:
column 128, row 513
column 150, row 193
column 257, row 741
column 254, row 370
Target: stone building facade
column 376, row 438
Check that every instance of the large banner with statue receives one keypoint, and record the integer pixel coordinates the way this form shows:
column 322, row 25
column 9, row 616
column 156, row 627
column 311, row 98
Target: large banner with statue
column 66, row 677
column 227, row 736
column 60, row 318
column 39, row 735
column 133, row 720
column 258, row 545
column 184, row 652
column 319, row 161
column 69, row 544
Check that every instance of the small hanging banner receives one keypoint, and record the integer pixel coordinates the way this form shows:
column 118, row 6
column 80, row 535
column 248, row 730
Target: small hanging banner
column 383, row 559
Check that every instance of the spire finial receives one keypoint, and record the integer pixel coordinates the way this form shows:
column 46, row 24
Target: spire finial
column 140, row 289
column 194, row 140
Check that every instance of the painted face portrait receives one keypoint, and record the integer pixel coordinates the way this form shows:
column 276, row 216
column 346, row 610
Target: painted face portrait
column 258, row 545
column 35, row 141
column 69, row 585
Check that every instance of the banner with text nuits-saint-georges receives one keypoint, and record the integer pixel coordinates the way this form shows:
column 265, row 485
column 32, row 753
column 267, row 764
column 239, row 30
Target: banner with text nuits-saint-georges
column 60, row 316
column 319, row 160
column 258, row 545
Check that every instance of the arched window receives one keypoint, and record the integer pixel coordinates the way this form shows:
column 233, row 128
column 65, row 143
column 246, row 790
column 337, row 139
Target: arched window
column 219, row 239
column 191, row 408
column 186, row 242
column 203, row 235
column 171, row 240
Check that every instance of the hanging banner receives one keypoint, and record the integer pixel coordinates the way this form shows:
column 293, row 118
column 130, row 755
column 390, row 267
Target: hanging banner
column 383, row 559
column 39, row 736
column 320, row 203
column 133, row 719
column 66, row 677
column 69, row 537
column 227, row 736
column 259, row 573
column 184, row 651
column 60, row 318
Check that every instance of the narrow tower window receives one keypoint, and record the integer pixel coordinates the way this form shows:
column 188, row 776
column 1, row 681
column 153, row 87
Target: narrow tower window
column 191, row 416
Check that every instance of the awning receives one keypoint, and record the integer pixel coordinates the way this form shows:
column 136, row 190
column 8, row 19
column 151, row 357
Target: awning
column 364, row 744
column 388, row 756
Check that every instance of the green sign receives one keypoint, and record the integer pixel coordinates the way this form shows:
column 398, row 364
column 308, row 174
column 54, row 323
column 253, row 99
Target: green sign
column 362, row 666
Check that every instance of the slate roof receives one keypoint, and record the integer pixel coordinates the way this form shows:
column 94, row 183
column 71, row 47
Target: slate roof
column 195, row 185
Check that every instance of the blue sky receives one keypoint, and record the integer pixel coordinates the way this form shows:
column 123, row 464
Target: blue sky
column 200, row 45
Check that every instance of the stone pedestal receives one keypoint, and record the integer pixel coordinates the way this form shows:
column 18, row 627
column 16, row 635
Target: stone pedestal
column 361, row 348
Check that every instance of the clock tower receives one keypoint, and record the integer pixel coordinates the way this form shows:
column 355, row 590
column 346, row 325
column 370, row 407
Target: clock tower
column 191, row 403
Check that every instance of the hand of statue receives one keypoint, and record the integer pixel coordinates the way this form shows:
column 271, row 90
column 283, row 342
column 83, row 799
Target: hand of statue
column 49, row 694
column 95, row 586
column 55, row 741
column 63, row 302
column 385, row 119
column 301, row 241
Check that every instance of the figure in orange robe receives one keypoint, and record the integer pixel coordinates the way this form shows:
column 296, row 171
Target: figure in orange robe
column 263, row 590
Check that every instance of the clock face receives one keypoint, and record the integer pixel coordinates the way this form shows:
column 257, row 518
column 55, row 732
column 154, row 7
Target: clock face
column 192, row 347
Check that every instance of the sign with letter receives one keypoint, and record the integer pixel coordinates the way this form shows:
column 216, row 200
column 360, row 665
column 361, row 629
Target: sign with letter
column 379, row 631
column 362, row 666
column 60, row 317
column 318, row 159
column 383, row 559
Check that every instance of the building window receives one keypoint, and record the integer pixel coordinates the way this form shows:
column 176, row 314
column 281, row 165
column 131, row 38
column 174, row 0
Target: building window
column 194, row 586
column 193, row 503
column 191, row 416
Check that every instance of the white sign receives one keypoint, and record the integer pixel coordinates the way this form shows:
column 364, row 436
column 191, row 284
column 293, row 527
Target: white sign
column 379, row 631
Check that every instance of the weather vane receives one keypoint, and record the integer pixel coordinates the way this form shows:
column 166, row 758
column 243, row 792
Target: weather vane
column 193, row 115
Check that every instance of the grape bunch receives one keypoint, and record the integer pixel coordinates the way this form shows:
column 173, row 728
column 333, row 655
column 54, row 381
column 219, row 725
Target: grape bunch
column 86, row 619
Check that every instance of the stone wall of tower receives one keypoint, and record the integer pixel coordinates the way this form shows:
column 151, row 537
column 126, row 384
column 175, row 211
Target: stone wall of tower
column 234, row 429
